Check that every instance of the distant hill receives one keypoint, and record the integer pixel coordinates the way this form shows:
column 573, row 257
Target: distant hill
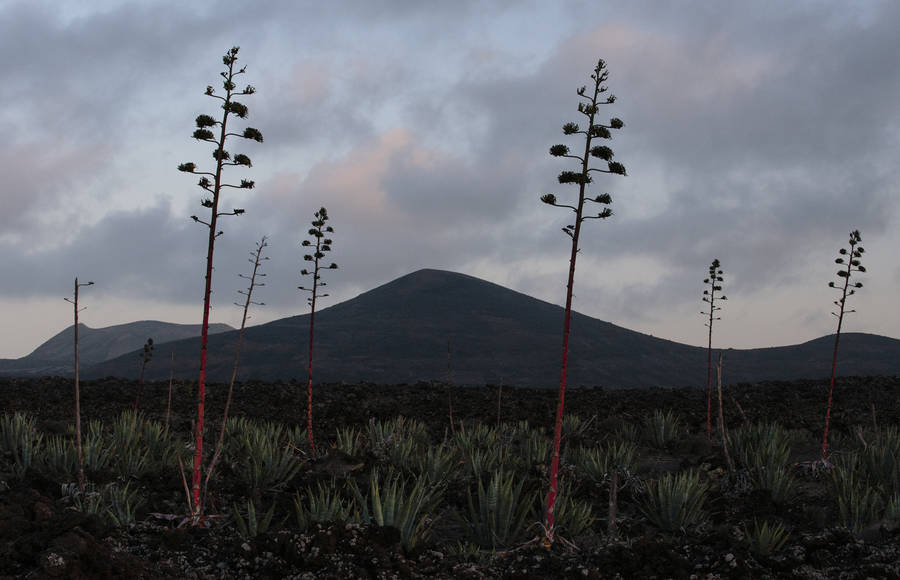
column 95, row 345
column 399, row 333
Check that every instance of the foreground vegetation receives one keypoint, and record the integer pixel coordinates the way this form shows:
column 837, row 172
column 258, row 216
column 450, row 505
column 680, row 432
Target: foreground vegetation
column 475, row 493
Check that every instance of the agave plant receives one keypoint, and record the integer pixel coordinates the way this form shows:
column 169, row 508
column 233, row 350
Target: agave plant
column 599, row 462
column 58, row 460
column 395, row 501
column 499, row 512
column 268, row 463
column 764, row 450
column 438, row 464
column 19, row 438
column 97, row 453
column 348, row 440
column 573, row 518
column 764, row 538
column 660, row 429
column 674, row 502
column 252, row 524
column 325, row 503
column 859, row 503
column 121, row 503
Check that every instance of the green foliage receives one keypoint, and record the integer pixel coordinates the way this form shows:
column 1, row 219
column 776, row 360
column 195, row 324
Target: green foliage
column 536, row 450
column 574, row 428
column 674, row 502
column 348, row 440
column 892, row 511
column 20, row 439
column 383, row 436
column 121, row 502
column 880, row 461
column 661, row 429
column 479, row 435
column 324, row 504
column 139, row 445
column 251, row 525
column 859, row 503
column 764, row 450
column 573, row 518
column 499, row 512
column 395, row 501
column 266, row 462
column 598, row 463
column 58, row 460
column 97, row 453
column 438, row 463
column 866, row 483
column 114, row 502
column 481, row 461
column 764, row 538
column 468, row 552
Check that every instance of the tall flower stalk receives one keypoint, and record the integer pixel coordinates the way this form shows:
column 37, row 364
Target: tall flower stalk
column 589, row 107
column 851, row 260
column 709, row 296
column 212, row 183
column 146, row 357
column 79, row 449
column 319, row 244
column 256, row 258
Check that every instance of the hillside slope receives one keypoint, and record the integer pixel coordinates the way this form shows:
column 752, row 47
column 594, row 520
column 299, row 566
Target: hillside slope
column 399, row 333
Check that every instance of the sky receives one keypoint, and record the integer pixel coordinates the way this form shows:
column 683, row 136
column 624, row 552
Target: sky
column 756, row 133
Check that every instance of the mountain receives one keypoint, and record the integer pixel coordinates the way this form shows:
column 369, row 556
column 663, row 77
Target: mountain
column 95, row 345
column 400, row 333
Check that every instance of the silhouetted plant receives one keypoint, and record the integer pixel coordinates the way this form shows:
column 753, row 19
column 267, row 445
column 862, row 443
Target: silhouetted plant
column 146, row 355
column 764, row 539
column 589, row 107
column 171, row 379
column 212, row 183
column 709, row 296
column 498, row 512
column 722, row 433
column 267, row 462
column 675, row 501
column 660, row 429
column 255, row 259
column 406, row 504
column 19, row 438
column 324, row 503
column 253, row 524
column 321, row 245
column 850, row 259
column 79, row 450
column 859, row 501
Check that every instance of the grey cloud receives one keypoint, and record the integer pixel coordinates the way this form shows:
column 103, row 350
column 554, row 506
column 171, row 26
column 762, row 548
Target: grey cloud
column 766, row 131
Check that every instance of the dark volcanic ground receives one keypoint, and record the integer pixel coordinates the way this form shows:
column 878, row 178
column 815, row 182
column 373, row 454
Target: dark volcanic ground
column 42, row 536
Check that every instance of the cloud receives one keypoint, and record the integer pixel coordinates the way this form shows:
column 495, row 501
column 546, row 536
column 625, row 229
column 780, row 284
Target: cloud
column 755, row 136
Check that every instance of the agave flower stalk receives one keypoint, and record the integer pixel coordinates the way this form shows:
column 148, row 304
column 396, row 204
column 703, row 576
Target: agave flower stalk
column 171, row 378
column 212, row 183
column 589, row 107
column 79, row 450
column 146, row 355
column 256, row 259
column 722, row 415
column 321, row 245
column 709, row 296
column 851, row 261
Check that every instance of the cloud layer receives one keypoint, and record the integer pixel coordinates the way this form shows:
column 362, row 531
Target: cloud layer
column 759, row 137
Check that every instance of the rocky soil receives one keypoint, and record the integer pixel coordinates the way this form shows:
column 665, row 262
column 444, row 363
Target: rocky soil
column 43, row 536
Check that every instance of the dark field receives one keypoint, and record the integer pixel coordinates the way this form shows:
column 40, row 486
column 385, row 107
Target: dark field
column 841, row 522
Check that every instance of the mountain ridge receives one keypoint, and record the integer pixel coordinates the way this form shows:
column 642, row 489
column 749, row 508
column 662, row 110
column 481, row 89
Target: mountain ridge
column 401, row 331
column 95, row 345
